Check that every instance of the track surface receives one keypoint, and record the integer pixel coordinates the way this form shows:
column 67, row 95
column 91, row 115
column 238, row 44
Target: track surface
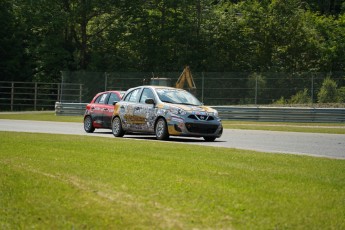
column 320, row 145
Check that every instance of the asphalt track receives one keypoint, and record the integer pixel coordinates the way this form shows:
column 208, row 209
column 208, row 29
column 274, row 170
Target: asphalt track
column 312, row 144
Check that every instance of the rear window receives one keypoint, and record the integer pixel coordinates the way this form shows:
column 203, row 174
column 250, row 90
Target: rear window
column 113, row 97
column 101, row 98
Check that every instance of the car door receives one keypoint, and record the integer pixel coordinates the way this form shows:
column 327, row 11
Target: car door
column 127, row 110
column 97, row 109
column 108, row 109
column 145, row 113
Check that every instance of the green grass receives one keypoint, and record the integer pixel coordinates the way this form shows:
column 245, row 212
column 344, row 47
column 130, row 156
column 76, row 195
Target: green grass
column 42, row 116
column 334, row 128
column 61, row 181
column 338, row 128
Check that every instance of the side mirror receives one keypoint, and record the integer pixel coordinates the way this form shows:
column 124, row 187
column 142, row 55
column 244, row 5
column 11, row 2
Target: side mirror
column 114, row 103
column 150, row 101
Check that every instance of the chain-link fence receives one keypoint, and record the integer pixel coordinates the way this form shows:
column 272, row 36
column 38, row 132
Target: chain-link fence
column 213, row 88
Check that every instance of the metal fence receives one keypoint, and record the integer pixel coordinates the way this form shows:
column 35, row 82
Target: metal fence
column 212, row 88
column 22, row 96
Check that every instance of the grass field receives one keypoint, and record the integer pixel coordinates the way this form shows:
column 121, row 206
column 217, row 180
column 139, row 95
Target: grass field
column 42, row 116
column 80, row 182
column 338, row 128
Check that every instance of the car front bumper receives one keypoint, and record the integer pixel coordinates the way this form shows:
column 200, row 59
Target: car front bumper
column 178, row 126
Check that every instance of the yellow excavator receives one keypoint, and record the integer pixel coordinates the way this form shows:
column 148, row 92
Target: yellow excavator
column 186, row 76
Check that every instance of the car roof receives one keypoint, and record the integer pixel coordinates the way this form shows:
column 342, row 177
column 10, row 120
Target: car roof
column 151, row 86
column 122, row 93
column 112, row 91
column 157, row 87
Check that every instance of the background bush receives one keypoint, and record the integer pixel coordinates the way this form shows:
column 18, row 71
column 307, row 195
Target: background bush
column 328, row 92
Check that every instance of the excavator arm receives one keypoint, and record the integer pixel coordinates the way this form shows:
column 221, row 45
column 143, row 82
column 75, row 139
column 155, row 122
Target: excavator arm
column 186, row 76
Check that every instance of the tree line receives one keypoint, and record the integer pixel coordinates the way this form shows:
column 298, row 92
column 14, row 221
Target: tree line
column 41, row 38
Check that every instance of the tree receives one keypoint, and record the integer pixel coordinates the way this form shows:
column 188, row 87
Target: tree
column 326, row 6
column 43, row 37
column 15, row 63
column 328, row 91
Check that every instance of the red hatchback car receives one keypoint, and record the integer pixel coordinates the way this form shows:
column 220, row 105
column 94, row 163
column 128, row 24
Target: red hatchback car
column 99, row 111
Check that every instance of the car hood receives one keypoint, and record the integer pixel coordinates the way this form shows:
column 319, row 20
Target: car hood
column 193, row 108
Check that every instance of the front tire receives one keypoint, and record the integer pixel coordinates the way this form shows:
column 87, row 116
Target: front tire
column 161, row 130
column 88, row 126
column 116, row 127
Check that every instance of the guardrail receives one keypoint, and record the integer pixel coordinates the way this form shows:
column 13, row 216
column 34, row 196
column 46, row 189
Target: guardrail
column 69, row 109
column 287, row 114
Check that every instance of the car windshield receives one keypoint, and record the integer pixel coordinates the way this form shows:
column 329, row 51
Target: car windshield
column 177, row 96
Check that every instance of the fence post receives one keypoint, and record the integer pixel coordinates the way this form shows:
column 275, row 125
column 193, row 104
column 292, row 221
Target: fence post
column 80, row 92
column 58, row 92
column 312, row 89
column 256, row 89
column 35, row 97
column 61, row 88
column 202, row 87
column 12, row 95
column 105, row 81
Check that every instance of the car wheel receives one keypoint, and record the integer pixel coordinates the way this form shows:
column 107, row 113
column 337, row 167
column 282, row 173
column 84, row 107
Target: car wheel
column 88, row 126
column 117, row 128
column 209, row 139
column 161, row 129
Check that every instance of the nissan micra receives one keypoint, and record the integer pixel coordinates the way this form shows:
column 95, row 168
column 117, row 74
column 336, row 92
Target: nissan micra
column 164, row 111
column 100, row 110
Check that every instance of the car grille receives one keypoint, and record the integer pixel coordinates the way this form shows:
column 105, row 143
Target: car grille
column 201, row 128
column 201, row 117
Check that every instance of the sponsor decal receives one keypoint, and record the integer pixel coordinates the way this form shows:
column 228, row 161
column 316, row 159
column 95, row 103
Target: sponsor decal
column 200, row 113
column 134, row 119
column 177, row 119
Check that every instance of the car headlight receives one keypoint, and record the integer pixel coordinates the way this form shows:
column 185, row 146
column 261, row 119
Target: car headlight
column 177, row 111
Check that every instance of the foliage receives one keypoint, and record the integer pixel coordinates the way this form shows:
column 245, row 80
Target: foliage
column 14, row 57
column 301, row 97
column 328, row 91
column 280, row 101
column 44, row 37
column 256, row 83
column 341, row 94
